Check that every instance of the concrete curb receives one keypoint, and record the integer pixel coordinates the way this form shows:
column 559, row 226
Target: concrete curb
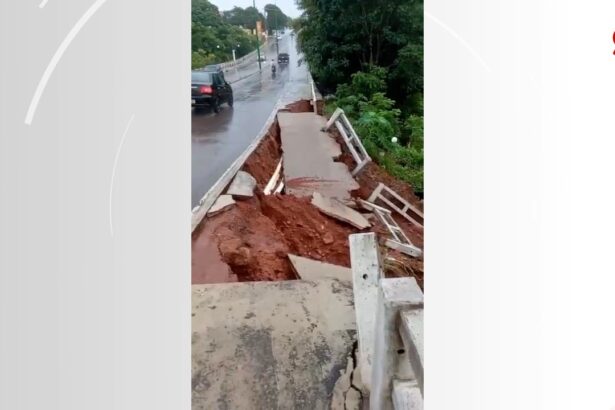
column 243, row 78
column 215, row 191
column 200, row 211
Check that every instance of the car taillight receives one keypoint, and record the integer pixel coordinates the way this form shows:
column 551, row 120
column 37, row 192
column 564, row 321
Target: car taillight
column 205, row 89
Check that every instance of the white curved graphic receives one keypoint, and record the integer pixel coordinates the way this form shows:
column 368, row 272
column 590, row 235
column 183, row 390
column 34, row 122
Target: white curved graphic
column 43, row 4
column 117, row 156
column 460, row 39
column 57, row 56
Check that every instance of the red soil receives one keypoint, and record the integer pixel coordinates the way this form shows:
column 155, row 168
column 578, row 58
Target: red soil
column 265, row 158
column 251, row 245
column 252, row 240
column 307, row 232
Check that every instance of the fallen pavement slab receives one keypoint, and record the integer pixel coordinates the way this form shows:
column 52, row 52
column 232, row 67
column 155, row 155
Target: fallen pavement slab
column 335, row 209
column 243, row 185
column 223, row 203
column 309, row 269
column 308, row 158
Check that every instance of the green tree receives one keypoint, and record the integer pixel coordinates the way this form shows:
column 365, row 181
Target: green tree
column 214, row 38
column 276, row 19
column 243, row 17
column 341, row 37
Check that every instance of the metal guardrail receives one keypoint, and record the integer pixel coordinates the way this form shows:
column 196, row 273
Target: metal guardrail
column 354, row 144
column 314, row 102
column 200, row 211
column 241, row 60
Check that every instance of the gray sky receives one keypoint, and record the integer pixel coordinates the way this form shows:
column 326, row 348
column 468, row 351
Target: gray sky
column 288, row 7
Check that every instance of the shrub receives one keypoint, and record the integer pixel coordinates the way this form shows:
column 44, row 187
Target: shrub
column 377, row 122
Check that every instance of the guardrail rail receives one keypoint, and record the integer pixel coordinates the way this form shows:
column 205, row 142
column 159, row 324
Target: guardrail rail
column 352, row 140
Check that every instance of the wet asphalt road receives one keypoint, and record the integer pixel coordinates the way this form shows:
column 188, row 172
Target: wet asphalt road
column 218, row 139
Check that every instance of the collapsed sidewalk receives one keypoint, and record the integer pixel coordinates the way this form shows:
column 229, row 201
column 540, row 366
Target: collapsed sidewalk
column 287, row 216
column 250, row 240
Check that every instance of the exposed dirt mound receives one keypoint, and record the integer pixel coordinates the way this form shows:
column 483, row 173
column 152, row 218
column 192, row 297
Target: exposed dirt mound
column 251, row 245
column 252, row 240
column 307, row 232
column 299, row 106
column 264, row 160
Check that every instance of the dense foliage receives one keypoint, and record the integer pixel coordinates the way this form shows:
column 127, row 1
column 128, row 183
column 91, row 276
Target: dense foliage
column 392, row 137
column 370, row 53
column 243, row 17
column 276, row 20
column 214, row 37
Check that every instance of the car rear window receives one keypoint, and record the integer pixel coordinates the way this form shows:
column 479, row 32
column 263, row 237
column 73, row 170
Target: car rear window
column 202, row 77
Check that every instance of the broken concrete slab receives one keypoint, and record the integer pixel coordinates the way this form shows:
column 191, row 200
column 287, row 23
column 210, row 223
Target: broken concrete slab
column 331, row 146
column 309, row 269
column 270, row 345
column 342, row 386
column 243, row 185
column 308, row 158
column 335, row 209
column 223, row 203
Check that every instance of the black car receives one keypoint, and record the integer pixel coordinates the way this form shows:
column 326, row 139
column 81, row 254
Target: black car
column 283, row 58
column 210, row 88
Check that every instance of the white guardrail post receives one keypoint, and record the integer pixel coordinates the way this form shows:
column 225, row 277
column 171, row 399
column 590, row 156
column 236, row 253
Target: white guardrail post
column 314, row 103
column 350, row 137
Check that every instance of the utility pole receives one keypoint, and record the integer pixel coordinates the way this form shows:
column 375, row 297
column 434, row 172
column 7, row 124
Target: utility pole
column 277, row 45
column 258, row 40
column 235, row 61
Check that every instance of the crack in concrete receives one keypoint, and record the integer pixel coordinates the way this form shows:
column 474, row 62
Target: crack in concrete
column 355, row 348
column 349, row 396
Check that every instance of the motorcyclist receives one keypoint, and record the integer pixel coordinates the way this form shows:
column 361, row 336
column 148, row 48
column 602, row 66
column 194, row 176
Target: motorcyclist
column 273, row 68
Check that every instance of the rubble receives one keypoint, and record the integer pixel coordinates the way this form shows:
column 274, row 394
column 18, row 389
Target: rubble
column 303, row 235
column 223, row 203
column 338, row 210
column 243, row 185
column 309, row 269
column 286, row 222
column 345, row 395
